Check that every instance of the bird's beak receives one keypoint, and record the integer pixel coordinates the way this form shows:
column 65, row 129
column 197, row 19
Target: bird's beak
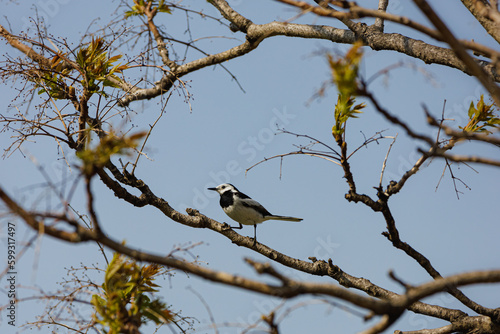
column 214, row 189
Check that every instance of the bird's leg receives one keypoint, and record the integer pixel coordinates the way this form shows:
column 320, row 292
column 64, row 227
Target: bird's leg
column 233, row 227
column 254, row 235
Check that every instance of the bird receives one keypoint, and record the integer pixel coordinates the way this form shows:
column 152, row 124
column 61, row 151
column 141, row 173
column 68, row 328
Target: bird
column 244, row 210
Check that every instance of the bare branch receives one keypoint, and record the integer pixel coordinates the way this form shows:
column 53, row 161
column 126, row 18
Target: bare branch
column 382, row 7
column 465, row 135
column 478, row 324
column 460, row 50
column 28, row 51
column 162, row 49
column 463, row 158
column 356, row 12
column 292, row 289
column 80, row 235
column 393, row 236
column 255, row 33
column 384, row 164
column 395, row 120
column 382, row 325
column 487, row 15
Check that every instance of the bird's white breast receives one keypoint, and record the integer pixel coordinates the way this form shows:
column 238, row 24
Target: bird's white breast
column 243, row 214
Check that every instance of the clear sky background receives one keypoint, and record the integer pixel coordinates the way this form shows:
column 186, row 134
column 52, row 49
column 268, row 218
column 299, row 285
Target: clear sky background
column 228, row 130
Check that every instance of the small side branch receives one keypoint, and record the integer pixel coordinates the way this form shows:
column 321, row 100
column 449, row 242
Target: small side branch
column 460, row 50
column 379, row 22
column 384, row 164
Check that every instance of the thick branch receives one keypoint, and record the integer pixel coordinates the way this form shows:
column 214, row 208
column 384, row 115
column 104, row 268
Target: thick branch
column 363, row 31
column 393, row 236
column 486, row 15
column 478, row 324
column 317, row 267
column 160, row 42
column 256, row 33
column 464, row 158
column 289, row 288
column 460, row 51
column 28, row 51
column 80, row 235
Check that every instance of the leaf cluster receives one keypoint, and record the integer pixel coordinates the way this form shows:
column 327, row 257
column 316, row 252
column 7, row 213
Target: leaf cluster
column 345, row 109
column 53, row 79
column 345, row 77
column 345, row 69
column 108, row 145
column 139, row 8
column 127, row 300
column 481, row 117
column 92, row 64
column 96, row 66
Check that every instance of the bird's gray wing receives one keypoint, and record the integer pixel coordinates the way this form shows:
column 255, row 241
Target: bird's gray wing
column 251, row 203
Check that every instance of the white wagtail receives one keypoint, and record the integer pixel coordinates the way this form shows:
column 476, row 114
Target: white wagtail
column 245, row 210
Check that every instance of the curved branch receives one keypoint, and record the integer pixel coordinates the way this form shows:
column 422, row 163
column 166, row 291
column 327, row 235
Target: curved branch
column 81, row 234
column 460, row 51
column 289, row 289
column 256, row 33
column 487, row 16
column 28, row 51
column 463, row 158
column 393, row 236
column 316, row 267
column 364, row 32
column 392, row 308
column 444, row 283
column 459, row 135
column 478, row 324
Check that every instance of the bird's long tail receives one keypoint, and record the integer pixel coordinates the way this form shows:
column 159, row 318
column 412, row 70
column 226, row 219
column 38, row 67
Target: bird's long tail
column 285, row 218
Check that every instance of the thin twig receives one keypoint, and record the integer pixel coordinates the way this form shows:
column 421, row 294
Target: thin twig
column 385, row 160
column 317, row 155
column 145, row 140
column 207, row 307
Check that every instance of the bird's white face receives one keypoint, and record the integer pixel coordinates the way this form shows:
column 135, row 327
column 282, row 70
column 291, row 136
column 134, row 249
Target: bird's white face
column 222, row 188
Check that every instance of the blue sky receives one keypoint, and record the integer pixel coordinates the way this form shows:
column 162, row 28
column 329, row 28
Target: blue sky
column 228, row 130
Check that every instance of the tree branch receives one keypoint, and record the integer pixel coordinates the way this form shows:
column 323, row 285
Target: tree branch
column 392, row 307
column 486, row 15
column 393, row 236
column 379, row 22
column 256, row 33
column 317, row 267
column 460, row 51
column 357, row 12
column 463, row 158
column 81, row 234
